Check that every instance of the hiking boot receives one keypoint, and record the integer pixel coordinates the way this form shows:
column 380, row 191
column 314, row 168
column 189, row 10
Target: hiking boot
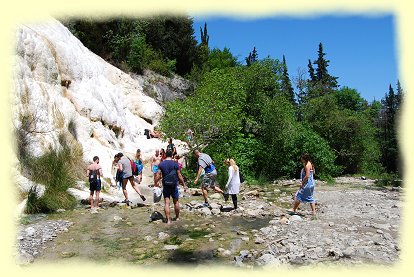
column 206, row 204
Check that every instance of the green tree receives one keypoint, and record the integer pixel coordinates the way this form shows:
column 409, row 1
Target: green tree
column 221, row 59
column 350, row 99
column 311, row 72
column 328, row 82
column 286, row 85
column 204, row 36
column 349, row 133
column 252, row 58
column 321, row 82
column 214, row 112
column 388, row 122
column 174, row 37
column 261, row 81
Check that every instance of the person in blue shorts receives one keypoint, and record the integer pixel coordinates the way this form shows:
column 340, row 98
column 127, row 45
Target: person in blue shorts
column 155, row 161
column 170, row 173
column 307, row 185
column 139, row 164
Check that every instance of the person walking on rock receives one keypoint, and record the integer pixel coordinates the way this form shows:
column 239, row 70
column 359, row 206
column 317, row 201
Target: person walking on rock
column 206, row 163
column 233, row 182
column 94, row 173
column 124, row 165
column 307, row 185
column 171, row 174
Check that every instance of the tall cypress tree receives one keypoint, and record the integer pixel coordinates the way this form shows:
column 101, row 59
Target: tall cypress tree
column 286, row 85
column 204, row 36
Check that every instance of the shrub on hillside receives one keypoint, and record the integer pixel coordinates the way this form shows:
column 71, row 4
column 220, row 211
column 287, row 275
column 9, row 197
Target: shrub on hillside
column 57, row 170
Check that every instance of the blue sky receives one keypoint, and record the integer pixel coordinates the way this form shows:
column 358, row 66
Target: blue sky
column 361, row 49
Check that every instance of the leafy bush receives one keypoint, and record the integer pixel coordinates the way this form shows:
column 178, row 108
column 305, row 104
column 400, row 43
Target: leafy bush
column 137, row 54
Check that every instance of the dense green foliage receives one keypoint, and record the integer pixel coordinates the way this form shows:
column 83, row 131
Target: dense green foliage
column 251, row 112
column 164, row 44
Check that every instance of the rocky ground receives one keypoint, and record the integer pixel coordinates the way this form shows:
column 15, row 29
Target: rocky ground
column 357, row 222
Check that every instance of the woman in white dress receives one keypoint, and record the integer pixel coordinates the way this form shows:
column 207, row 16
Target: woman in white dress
column 233, row 182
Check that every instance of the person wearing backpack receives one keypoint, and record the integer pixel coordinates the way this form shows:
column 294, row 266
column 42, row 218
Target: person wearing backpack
column 124, row 165
column 170, row 173
column 209, row 181
column 94, row 174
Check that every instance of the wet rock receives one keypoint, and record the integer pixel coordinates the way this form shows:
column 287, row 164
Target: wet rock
column 215, row 196
column 205, row 211
column 294, row 218
column 170, row 247
column 252, row 213
column 214, row 205
column 284, row 220
column 163, row 236
column 266, row 230
column 348, row 252
column 30, row 231
column 226, row 253
column 254, row 193
column 259, row 241
column 215, row 211
column 268, row 260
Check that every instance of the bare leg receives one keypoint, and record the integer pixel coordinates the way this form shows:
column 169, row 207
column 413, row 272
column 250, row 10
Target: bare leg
column 295, row 205
column 131, row 180
column 124, row 183
column 176, row 208
column 167, row 209
column 91, row 199
column 97, row 198
column 313, row 208
column 205, row 195
column 218, row 189
column 155, row 183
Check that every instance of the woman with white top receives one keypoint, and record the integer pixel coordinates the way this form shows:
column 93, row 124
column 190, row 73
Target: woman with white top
column 233, row 182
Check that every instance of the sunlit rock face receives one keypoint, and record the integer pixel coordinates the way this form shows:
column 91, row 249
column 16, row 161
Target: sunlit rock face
column 68, row 89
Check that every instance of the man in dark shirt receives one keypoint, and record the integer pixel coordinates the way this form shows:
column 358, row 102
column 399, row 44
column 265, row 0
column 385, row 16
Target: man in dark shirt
column 171, row 174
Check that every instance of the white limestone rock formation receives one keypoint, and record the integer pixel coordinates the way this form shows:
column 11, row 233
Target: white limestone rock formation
column 62, row 84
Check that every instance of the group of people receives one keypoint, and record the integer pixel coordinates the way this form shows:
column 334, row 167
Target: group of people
column 166, row 167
